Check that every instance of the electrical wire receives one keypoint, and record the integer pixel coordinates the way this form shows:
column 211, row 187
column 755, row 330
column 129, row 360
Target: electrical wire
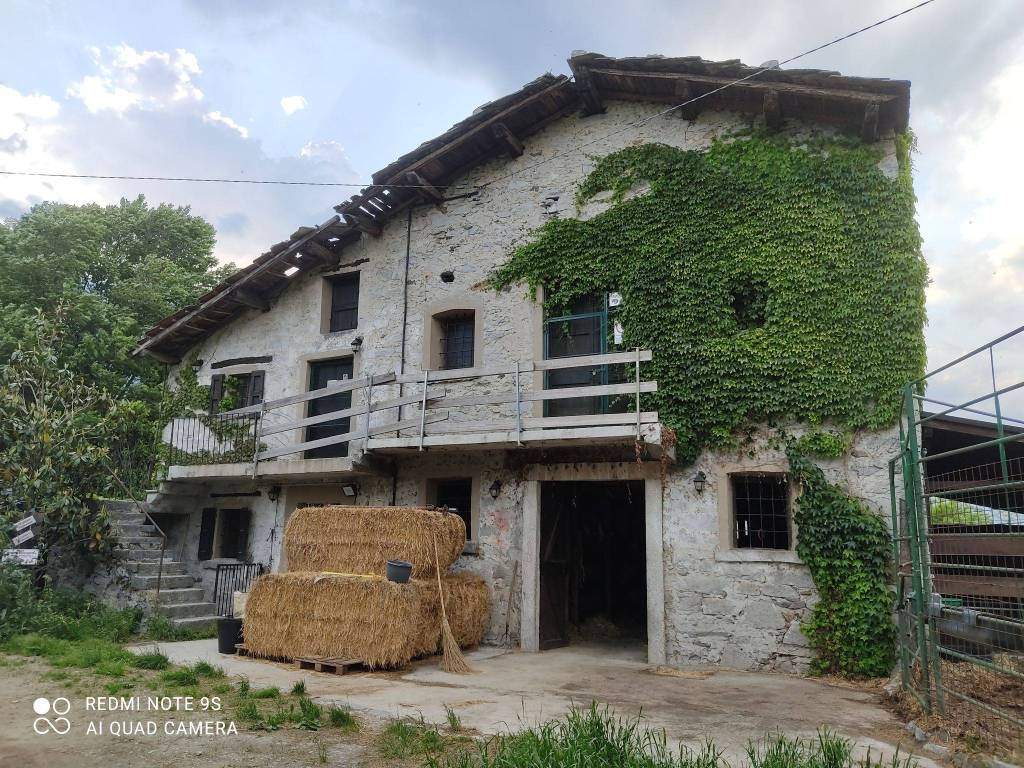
column 478, row 187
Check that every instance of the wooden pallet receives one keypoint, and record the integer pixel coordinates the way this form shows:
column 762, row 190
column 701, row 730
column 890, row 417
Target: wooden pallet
column 331, row 665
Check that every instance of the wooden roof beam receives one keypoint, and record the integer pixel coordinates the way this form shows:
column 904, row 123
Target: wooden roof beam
column 869, row 128
column 772, row 111
column 504, row 135
column 324, row 255
column 593, row 104
column 426, row 190
column 250, row 299
column 364, row 224
column 683, row 92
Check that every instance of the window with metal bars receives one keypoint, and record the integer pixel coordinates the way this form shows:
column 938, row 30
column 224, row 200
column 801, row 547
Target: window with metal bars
column 761, row 514
column 345, row 302
column 456, row 346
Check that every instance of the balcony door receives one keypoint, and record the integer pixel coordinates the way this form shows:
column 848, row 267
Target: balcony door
column 320, row 373
column 583, row 327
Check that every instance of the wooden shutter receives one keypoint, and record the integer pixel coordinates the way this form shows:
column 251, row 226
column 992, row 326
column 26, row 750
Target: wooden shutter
column 216, row 391
column 242, row 540
column 206, row 534
column 255, row 388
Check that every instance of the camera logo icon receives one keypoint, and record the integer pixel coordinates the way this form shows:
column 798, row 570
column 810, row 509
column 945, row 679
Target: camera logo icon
column 59, row 707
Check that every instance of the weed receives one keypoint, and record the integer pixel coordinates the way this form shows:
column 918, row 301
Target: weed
column 109, row 668
column 206, row 669
column 181, row 676
column 299, row 689
column 248, row 712
column 273, row 692
column 221, row 688
column 243, row 686
column 321, row 749
column 454, row 723
column 309, row 715
column 403, row 738
column 152, row 660
column 342, row 718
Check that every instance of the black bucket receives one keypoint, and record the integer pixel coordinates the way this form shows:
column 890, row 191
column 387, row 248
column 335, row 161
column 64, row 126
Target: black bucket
column 399, row 571
column 229, row 634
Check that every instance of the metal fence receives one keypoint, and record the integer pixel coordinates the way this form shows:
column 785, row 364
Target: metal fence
column 221, row 438
column 958, row 538
column 231, row 578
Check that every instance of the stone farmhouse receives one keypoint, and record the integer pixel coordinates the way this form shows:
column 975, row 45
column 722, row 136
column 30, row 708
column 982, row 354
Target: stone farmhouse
column 369, row 360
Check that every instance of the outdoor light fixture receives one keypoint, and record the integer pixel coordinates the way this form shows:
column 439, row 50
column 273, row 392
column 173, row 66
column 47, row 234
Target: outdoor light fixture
column 349, row 490
column 495, row 489
column 196, row 365
column 699, row 481
column 274, row 492
column 356, row 343
column 447, row 276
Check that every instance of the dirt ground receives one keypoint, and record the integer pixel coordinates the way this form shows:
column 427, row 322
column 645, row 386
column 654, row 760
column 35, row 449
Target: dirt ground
column 505, row 691
column 22, row 747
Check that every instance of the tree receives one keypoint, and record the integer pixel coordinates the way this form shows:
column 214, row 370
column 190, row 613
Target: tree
column 55, row 436
column 114, row 271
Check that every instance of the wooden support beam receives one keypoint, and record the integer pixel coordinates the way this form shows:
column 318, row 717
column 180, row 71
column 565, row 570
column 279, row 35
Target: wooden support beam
column 318, row 252
column 250, row 299
column 161, row 357
column 869, row 129
column 426, row 190
column 683, row 93
column 772, row 111
column 363, row 224
column 504, row 134
column 593, row 104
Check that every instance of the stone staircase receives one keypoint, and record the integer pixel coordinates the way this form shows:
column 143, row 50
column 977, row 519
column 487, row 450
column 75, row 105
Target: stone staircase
column 138, row 547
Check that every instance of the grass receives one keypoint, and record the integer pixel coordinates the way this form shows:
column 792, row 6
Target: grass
column 597, row 737
column 342, row 718
column 153, row 660
column 159, row 627
column 404, row 738
column 272, row 692
column 299, row 689
column 181, row 676
column 454, row 723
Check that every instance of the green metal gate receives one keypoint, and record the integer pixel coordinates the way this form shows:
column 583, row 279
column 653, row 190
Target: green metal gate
column 958, row 540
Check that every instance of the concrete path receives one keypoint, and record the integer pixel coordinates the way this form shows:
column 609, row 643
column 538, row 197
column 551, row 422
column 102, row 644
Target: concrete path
column 511, row 688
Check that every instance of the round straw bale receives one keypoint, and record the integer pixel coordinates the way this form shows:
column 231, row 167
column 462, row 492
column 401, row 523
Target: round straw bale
column 362, row 539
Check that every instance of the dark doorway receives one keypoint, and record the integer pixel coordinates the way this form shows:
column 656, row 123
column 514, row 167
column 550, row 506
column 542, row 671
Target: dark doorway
column 320, row 373
column 593, row 563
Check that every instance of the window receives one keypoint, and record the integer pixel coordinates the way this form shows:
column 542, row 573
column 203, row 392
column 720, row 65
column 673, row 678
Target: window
column 761, row 515
column 344, row 302
column 238, row 390
column 457, row 332
column 455, row 494
column 224, row 533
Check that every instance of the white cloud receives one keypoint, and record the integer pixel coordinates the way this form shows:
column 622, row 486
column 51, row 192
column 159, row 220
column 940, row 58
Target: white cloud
column 292, row 104
column 128, row 78
column 144, row 114
column 217, row 117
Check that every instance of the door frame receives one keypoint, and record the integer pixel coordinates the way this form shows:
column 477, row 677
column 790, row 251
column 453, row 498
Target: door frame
column 529, row 631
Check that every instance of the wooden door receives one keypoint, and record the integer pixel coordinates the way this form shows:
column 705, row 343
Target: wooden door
column 320, row 373
column 554, row 571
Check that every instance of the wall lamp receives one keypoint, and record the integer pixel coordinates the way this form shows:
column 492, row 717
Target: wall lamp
column 495, row 489
column 447, row 276
column 699, row 481
column 274, row 492
column 349, row 490
column 356, row 343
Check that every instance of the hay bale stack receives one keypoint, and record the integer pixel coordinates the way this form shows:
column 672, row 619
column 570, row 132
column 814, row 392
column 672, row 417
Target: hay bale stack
column 362, row 539
column 469, row 607
column 369, row 618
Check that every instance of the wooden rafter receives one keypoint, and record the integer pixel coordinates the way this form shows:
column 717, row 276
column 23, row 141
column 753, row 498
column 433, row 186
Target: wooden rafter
column 504, row 134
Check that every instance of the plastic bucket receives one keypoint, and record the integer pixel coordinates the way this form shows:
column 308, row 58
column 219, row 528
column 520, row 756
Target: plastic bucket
column 229, row 634
column 399, row 571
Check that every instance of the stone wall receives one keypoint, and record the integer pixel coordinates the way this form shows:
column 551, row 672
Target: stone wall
column 721, row 607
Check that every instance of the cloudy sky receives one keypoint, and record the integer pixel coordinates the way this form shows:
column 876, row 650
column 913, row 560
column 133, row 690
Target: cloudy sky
column 332, row 91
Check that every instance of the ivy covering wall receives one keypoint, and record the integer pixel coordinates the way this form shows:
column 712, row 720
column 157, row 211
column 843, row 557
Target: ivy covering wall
column 772, row 281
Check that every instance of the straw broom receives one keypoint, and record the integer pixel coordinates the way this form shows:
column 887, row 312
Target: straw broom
column 452, row 659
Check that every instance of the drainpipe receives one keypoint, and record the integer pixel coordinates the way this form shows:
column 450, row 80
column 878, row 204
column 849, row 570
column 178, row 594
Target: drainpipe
column 405, row 319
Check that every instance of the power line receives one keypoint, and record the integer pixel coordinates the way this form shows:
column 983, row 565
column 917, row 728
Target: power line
column 578, row 147
column 210, row 180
